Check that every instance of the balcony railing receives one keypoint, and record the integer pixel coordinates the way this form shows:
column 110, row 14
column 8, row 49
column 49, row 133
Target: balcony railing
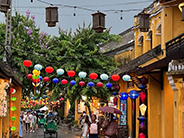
column 132, row 65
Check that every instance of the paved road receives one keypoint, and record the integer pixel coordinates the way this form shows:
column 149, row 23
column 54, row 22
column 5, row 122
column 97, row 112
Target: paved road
column 61, row 134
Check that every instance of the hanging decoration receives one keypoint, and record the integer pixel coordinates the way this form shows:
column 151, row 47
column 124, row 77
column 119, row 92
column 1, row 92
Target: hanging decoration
column 93, row 76
column 60, row 71
column 55, row 80
column 144, row 80
column 90, row 84
column 142, row 96
column 141, row 119
column 142, row 127
column 81, row 83
column 126, row 77
column 104, row 76
column 29, row 76
column 99, row 84
column 123, row 96
column 71, row 73
column 27, row 63
column 49, row 69
column 41, row 78
column 142, row 135
column 13, row 118
column 115, row 77
column 64, row 81
column 82, row 74
column 109, row 85
column 134, row 94
column 46, row 79
column 13, row 99
column 13, row 91
column 36, row 72
column 72, row 82
column 38, row 67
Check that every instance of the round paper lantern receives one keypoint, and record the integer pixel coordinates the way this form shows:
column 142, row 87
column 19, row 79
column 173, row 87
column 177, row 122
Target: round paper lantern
column 93, row 76
column 60, row 71
column 29, row 76
column 141, row 119
column 81, row 83
column 71, row 73
column 144, row 80
column 64, row 81
column 104, row 76
column 90, row 84
column 142, row 96
column 142, row 135
column 82, row 74
column 142, row 127
column 13, row 118
column 35, row 77
column 134, row 94
column 115, row 77
column 99, row 84
column 108, row 85
column 41, row 78
column 49, row 69
column 72, row 82
column 13, row 128
column 124, row 96
column 116, row 87
column 55, row 80
column 46, row 79
column 45, row 96
column 38, row 67
column 36, row 72
column 27, row 63
column 13, row 99
column 13, row 91
column 126, row 77
column 13, row 108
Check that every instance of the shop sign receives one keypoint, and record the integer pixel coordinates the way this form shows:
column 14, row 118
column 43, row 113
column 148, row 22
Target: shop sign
column 81, row 107
column 176, row 67
column 123, row 109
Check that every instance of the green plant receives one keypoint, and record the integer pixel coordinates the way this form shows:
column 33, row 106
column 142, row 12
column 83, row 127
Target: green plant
column 76, row 126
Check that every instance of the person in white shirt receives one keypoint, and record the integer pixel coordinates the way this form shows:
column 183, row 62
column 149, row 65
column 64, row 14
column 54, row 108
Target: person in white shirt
column 31, row 122
column 27, row 119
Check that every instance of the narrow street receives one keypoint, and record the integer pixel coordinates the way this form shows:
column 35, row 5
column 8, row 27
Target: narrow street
column 61, row 134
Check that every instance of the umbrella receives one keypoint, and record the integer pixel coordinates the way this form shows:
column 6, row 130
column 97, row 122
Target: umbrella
column 110, row 110
column 44, row 108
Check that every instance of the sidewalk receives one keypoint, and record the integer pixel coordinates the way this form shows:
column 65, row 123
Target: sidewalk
column 75, row 131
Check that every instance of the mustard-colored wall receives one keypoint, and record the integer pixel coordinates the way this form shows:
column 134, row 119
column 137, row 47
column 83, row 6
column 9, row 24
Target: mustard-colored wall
column 67, row 106
column 124, row 57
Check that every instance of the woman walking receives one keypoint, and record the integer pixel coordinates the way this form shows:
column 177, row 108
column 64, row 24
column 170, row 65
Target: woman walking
column 93, row 128
column 85, row 126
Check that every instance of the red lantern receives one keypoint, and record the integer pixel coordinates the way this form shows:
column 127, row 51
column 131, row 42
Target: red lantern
column 36, row 81
column 99, row 84
column 27, row 63
column 115, row 100
column 81, row 83
column 49, row 69
column 71, row 73
column 142, row 135
column 46, row 79
column 142, row 95
column 29, row 76
column 64, row 81
column 93, row 76
column 58, row 106
column 115, row 77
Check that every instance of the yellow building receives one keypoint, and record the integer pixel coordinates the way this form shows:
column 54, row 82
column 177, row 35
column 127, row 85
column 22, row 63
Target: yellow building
column 158, row 50
column 7, row 82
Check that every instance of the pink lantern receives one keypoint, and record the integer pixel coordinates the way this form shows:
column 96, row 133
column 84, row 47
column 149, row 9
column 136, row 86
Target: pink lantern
column 142, row 135
column 142, row 95
column 46, row 79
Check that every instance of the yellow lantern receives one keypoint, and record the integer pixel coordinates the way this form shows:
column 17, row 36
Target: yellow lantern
column 36, row 72
column 143, row 108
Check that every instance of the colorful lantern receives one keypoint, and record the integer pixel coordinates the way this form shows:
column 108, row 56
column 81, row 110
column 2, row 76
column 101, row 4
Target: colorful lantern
column 60, row 71
column 142, row 96
column 114, row 93
column 81, row 83
column 38, row 67
column 116, row 87
column 27, row 63
column 99, row 84
column 13, row 91
column 35, row 84
column 90, row 84
column 144, row 80
column 55, row 80
column 36, row 72
column 93, row 76
column 126, row 77
column 41, row 78
column 82, row 74
column 109, row 85
column 141, row 86
column 124, row 96
column 142, row 135
column 13, row 128
column 36, row 81
column 104, row 76
column 49, row 69
column 142, row 127
column 115, row 77
column 13, row 108
column 13, row 118
column 29, row 76
column 13, row 99
column 64, row 81
column 115, row 100
column 72, row 82
column 35, row 77
column 46, row 79
column 134, row 94
column 71, row 73
column 141, row 119
column 143, row 108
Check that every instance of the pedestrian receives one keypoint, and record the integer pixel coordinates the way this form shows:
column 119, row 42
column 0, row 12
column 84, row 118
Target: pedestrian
column 20, row 127
column 32, row 121
column 24, row 121
column 85, row 126
column 37, row 121
column 27, row 122
column 93, row 128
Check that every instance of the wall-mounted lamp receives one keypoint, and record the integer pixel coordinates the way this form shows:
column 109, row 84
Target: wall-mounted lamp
column 181, row 7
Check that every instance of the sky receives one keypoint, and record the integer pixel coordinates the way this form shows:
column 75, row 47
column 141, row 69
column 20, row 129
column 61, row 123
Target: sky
column 111, row 8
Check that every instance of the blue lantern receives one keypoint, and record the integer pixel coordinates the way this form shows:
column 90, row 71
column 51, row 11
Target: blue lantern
column 72, row 82
column 90, row 84
column 60, row 71
column 34, row 98
column 141, row 119
column 134, row 94
column 114, row 93
column 108, row 85
column 55, row 80
column 126, row 77
column 40, row 98
column 45, row 96
column 41, row 78
column 141, row 86
column 38, row 67
column 104, row 76
column 82, row 74
column 124, row 96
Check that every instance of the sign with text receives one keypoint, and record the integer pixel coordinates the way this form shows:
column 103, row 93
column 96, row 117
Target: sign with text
column 123, row 109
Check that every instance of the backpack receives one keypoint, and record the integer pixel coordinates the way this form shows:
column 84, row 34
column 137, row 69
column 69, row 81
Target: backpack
column 94, row 128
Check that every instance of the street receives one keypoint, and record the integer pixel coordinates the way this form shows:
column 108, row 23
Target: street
column 61, row 134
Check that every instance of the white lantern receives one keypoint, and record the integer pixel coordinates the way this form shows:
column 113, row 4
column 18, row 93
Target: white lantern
column 126, row 77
